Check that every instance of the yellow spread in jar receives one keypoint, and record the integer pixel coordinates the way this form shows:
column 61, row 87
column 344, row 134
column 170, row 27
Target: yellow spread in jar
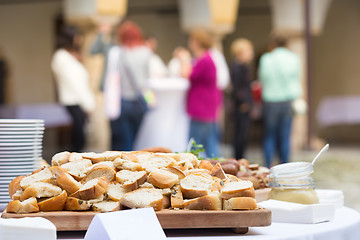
column 301, row 195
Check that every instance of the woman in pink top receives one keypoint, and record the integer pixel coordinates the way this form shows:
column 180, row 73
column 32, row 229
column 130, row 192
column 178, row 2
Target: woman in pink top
column 203, row 96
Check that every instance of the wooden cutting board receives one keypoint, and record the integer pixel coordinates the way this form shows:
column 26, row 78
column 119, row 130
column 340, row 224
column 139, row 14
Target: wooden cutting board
column 169, row 219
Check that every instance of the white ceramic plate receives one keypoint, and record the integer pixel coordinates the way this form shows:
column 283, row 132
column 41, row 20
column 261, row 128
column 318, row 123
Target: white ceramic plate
column 20, row 163
column 29, row 133
column 17, row 140
column 7, row 129
column 21, row 167
column 20, row 144
column 17, row 148
column 15, row 174
column 20, row 121
column 17, row 152
column 24, row 125
column 19, row 157
column 16, row 171
column 22, row 137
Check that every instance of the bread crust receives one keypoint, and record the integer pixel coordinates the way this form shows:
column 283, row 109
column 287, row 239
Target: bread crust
column 75, row 204
column 176, row 199
column 68, row 183
column 115, row 206
column 132, row 185
column 98, row 171
column 176, row 170
column 204, row 164
column 247, row 192
column 53, row 204
column 45, row 190
column 157, row 150
column 15, row 185
column 240, row 203
column 217, row 171
column 28, row 206
column 157, row 204
column 208, row 202
column 163, row 179
column 92, row 192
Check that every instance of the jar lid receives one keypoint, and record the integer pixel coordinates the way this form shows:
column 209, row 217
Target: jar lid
column 292, row 170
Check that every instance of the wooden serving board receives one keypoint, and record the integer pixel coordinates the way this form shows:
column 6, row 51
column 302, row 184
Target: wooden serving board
column 169, row 219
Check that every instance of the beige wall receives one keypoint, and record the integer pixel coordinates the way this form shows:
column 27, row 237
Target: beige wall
column 26, row 36
column 337, row 68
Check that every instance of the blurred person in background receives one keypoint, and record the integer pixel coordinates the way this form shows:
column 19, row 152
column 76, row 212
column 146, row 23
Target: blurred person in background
column 3, row 77
column 203, row 96
column 279, row 73
column 174, row 66
column 101, row 45
column 73, row 84
column 132, row 64
column 243, row 53
column 157, row 68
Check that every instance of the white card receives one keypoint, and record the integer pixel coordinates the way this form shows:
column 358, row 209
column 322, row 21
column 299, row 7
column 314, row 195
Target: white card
column 126, row 225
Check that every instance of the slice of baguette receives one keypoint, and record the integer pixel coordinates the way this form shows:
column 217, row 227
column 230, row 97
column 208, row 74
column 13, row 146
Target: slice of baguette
column 240, row 203
column 142, row 198
column 75, row 204
column 130, row 157
column 94, row 157
column 112, row 155
column 39, row 190
column 92, row 189
column 176, row 199
column 106, row 206
column 176, row 170
column 77, row 169
column 14, row 185
column 44, row 175
column 68, row 183
column 56, row 203
column 237, row 189
column 123, row 164
column 193, row 186
column 158, row 150
column 17, row 195
column 107, row 163
column 99, row 171
column 156, row 162
column 204, row 164
column 56, row 171
column 60, row 158
column 187, row 161
column 208, row 202
column 217, row 171
column 74, row 157
column 115, row 191
column 28, row 206
column 142, row 155
column 131, row 180
column 163, row 179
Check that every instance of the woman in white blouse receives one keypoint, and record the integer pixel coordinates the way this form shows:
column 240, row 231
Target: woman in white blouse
column 73, row 85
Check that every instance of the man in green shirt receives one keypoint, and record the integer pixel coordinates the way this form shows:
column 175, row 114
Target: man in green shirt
column 279, row 73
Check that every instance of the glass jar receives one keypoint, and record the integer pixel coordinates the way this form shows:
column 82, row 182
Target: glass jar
column 291, row 182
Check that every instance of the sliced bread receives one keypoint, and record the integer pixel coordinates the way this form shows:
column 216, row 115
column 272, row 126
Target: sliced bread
column 131, row 180
column 240, row 203
column 193, row 186
column 44, row 175
column 29, row 205
column 56, row 203
column 156, row 162
column 40, row 190
column 106, row 206
column 176, row 170
column 100, row 171
column 142, row 198
column 218, row 172
column 123, row 164
column 92, row 189
column 60, row 158
column 176, row 199
column 14, row 185
column 208, row 202
column 75, row 204
column 115, row 191
column 163, row 179
column 68, row 183
column 77, row 169
column 237, row 189
column 204, row 164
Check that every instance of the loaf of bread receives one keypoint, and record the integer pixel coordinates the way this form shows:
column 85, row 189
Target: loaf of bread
column 112, row 181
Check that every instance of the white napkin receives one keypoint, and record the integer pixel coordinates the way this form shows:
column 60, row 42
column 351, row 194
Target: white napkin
column 299, row 213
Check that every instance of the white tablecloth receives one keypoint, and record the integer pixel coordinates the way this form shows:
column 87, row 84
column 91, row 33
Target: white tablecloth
column 344, row 226
column 167, row 124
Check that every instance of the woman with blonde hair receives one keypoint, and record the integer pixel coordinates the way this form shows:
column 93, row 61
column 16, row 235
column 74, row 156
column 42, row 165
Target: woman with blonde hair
column 243, row 53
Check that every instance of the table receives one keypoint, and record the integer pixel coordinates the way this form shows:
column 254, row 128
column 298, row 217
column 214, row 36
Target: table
column 167, row 124
column 344, row 226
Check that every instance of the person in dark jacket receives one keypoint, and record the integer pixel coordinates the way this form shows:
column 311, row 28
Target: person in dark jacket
column 243, row 53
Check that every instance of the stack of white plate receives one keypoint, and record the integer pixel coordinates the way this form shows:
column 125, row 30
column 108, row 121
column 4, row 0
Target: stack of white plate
column 20, row 151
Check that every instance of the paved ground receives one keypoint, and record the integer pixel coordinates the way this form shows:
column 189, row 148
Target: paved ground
column 338, row 168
